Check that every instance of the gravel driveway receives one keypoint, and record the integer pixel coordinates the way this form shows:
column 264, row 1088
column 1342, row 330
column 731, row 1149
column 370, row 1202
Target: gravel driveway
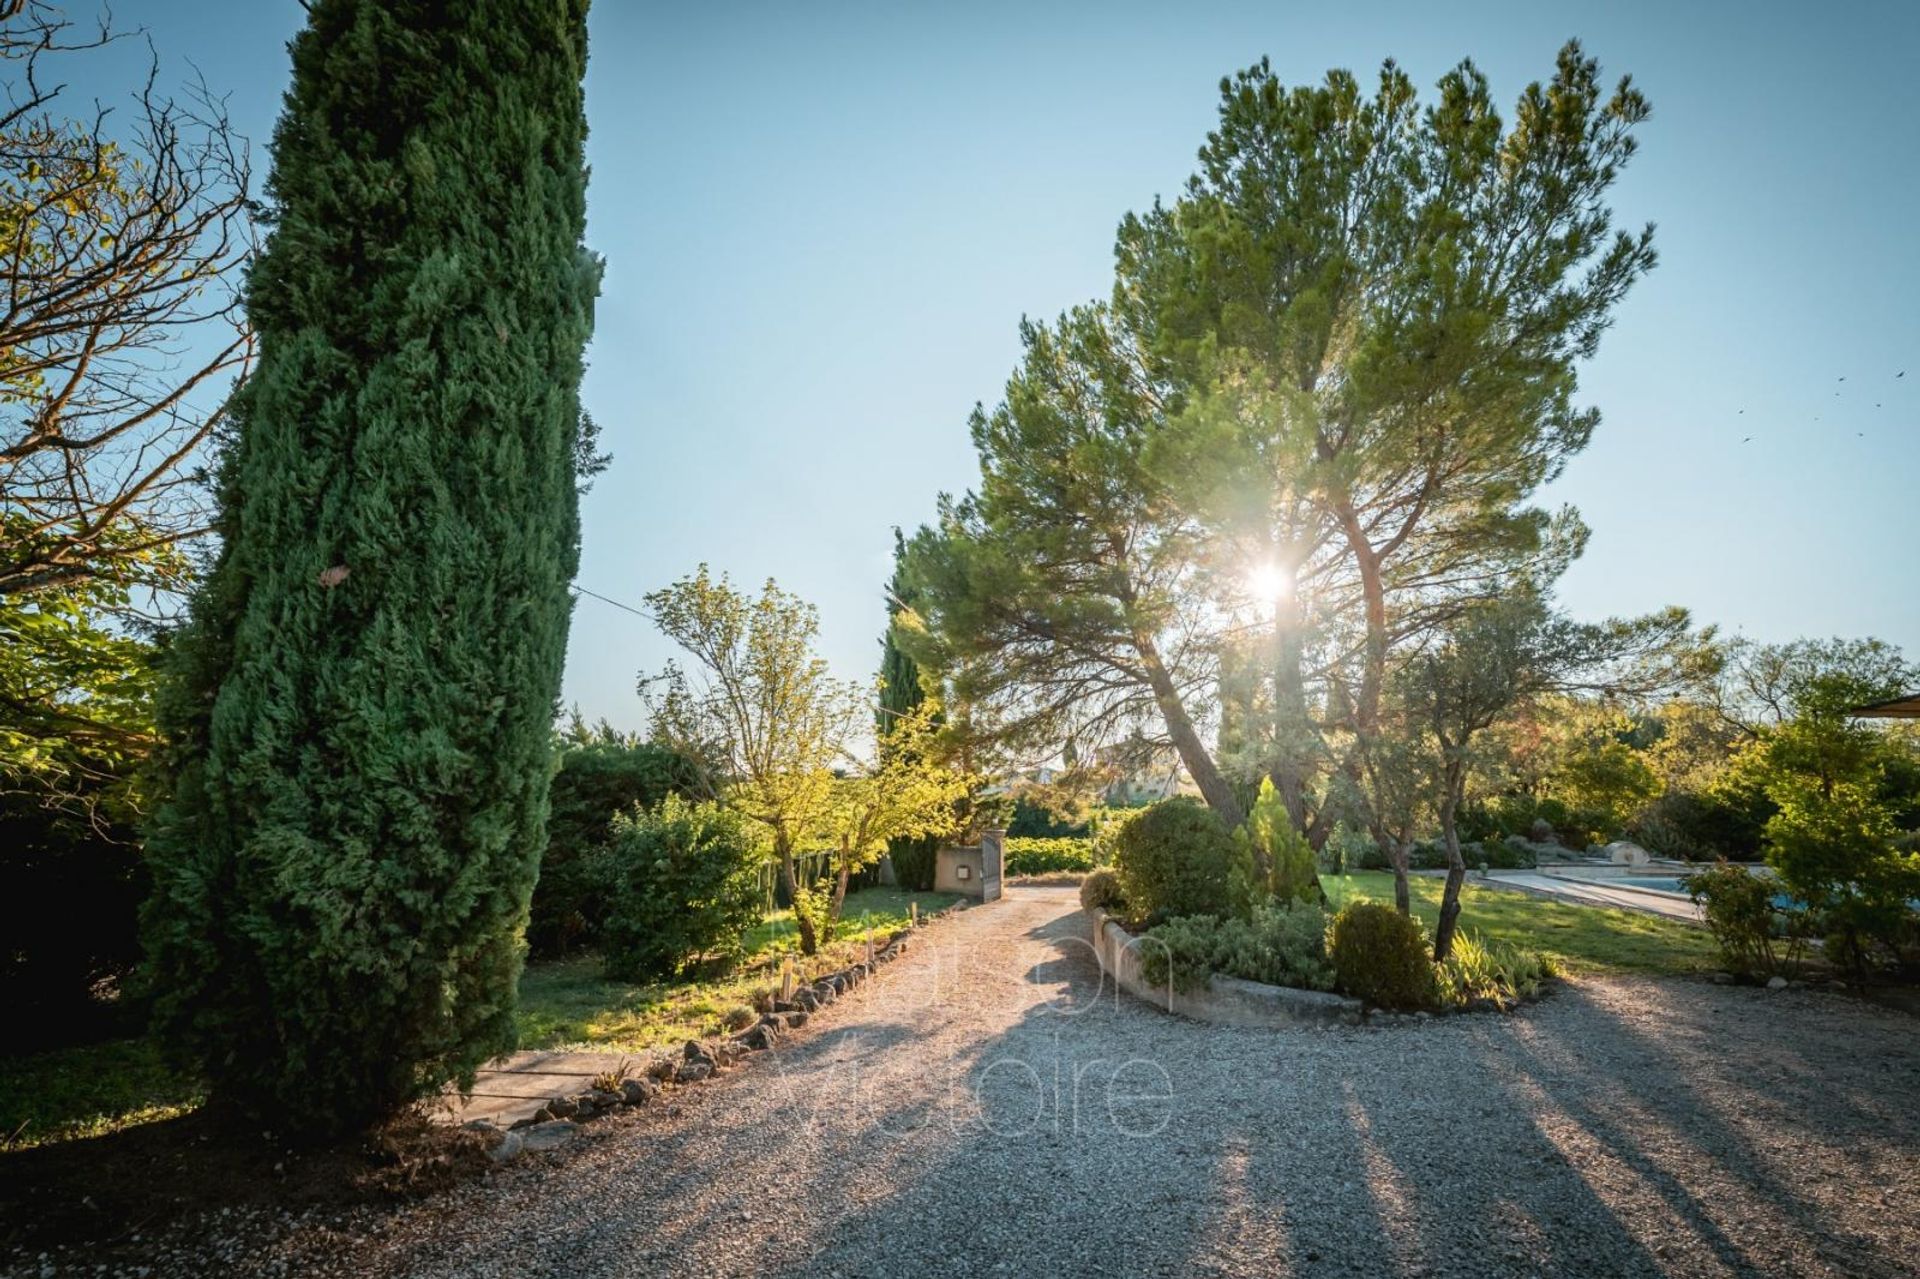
column 983, row 1107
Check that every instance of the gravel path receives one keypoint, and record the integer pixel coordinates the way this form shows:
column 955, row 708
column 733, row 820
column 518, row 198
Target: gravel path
column 982, row 1107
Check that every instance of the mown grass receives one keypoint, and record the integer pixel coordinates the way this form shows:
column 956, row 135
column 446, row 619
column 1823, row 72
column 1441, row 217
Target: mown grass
column 1580, row 938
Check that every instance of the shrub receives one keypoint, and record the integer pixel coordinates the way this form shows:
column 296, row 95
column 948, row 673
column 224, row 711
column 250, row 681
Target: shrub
column 594, row 784
column 682, row 882
column 1107, row 823
column 1174, row 858
column 1835, row 850
column 1380, row 955
column 914, row 861
column 1500, row 854
column 70, row 890
column 1100, row 890
column 1040, row 856
column 1740, row 915
column 1281, row 944
column 1271, row 836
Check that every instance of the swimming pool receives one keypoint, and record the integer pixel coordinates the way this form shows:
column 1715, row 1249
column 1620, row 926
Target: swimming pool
column 1675, row 885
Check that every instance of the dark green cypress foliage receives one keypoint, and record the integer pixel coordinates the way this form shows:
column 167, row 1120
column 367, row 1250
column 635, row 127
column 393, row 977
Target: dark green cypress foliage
column 359, row 719
column 913, row 859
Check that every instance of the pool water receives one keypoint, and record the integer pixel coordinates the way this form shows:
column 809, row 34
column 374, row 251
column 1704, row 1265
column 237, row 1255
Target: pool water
column 1663, row 884
column 1672, row 884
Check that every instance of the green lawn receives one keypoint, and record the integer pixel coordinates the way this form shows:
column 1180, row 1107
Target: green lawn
column 1581, row 938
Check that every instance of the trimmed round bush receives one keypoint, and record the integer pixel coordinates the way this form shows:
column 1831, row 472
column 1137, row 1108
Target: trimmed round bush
column 1380, row 955
column 1174, row 859
column 1100, row 890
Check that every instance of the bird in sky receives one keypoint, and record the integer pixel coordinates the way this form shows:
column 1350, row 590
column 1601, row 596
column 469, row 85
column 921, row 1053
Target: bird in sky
column 1748, row 440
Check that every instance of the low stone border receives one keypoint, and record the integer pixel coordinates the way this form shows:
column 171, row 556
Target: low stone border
column 558, row 1121
column 1227, row 1001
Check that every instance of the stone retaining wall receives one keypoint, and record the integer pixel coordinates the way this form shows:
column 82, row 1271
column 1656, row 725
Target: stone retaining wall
column 1227, row 1001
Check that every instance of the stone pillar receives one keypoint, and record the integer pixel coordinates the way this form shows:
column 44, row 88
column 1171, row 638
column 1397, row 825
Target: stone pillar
column 992, row 853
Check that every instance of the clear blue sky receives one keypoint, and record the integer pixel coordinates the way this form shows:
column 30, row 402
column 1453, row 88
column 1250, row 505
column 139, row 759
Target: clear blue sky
column 822, row 223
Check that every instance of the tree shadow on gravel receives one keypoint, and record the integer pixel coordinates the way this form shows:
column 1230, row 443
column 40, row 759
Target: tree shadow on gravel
column 1635, row 1108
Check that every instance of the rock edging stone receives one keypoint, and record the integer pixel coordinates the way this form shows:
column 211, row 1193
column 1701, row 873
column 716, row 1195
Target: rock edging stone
column 1226, row 1001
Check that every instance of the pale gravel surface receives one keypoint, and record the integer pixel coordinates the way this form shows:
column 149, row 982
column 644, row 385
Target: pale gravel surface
column 930, row 1124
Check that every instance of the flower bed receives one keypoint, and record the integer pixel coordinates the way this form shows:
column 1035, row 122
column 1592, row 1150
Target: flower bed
column 1222, row 1000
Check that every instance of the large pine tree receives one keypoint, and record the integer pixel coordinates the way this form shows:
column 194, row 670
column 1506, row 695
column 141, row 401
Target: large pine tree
column 360, row 713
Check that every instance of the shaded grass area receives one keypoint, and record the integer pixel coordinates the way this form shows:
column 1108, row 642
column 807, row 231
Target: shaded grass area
column 95, row 1090
column 568, row 1003
column 89, row 1091
column 1581, row 938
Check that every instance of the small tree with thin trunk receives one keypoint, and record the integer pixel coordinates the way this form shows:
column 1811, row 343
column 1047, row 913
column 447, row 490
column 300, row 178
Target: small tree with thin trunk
column 906, row 793
column 1504, row 652
column 759, row 708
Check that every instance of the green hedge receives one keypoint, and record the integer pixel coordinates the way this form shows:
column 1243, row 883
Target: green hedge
column 1039, row 855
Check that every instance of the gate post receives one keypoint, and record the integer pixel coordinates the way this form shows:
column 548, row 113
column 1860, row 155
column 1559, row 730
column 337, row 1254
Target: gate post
column 992, row 852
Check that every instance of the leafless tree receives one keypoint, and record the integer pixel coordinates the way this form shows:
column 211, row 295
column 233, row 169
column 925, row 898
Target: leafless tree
column 122, row 336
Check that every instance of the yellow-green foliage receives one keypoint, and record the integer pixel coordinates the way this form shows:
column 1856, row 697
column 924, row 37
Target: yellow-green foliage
column 1380, row 955
column 1039, row 855
column 1495, row 971
column 1291, row 873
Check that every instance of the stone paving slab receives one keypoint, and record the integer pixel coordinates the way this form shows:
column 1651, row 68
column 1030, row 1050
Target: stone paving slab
column 1594, row 893
column 511, row 1088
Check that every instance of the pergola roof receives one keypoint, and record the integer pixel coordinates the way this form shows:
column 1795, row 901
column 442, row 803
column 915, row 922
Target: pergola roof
column 1898, row 708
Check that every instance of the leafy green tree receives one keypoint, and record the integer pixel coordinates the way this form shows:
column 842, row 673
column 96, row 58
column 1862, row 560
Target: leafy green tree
column 359, row 716
column 760, row 710
column 905, row 793
column 1834, row 838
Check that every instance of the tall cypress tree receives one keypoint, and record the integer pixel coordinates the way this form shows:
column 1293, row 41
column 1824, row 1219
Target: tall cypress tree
column 900, row 693
column 358, row 725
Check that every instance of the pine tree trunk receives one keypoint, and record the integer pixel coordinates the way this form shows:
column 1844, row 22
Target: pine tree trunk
column 1186, row 739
